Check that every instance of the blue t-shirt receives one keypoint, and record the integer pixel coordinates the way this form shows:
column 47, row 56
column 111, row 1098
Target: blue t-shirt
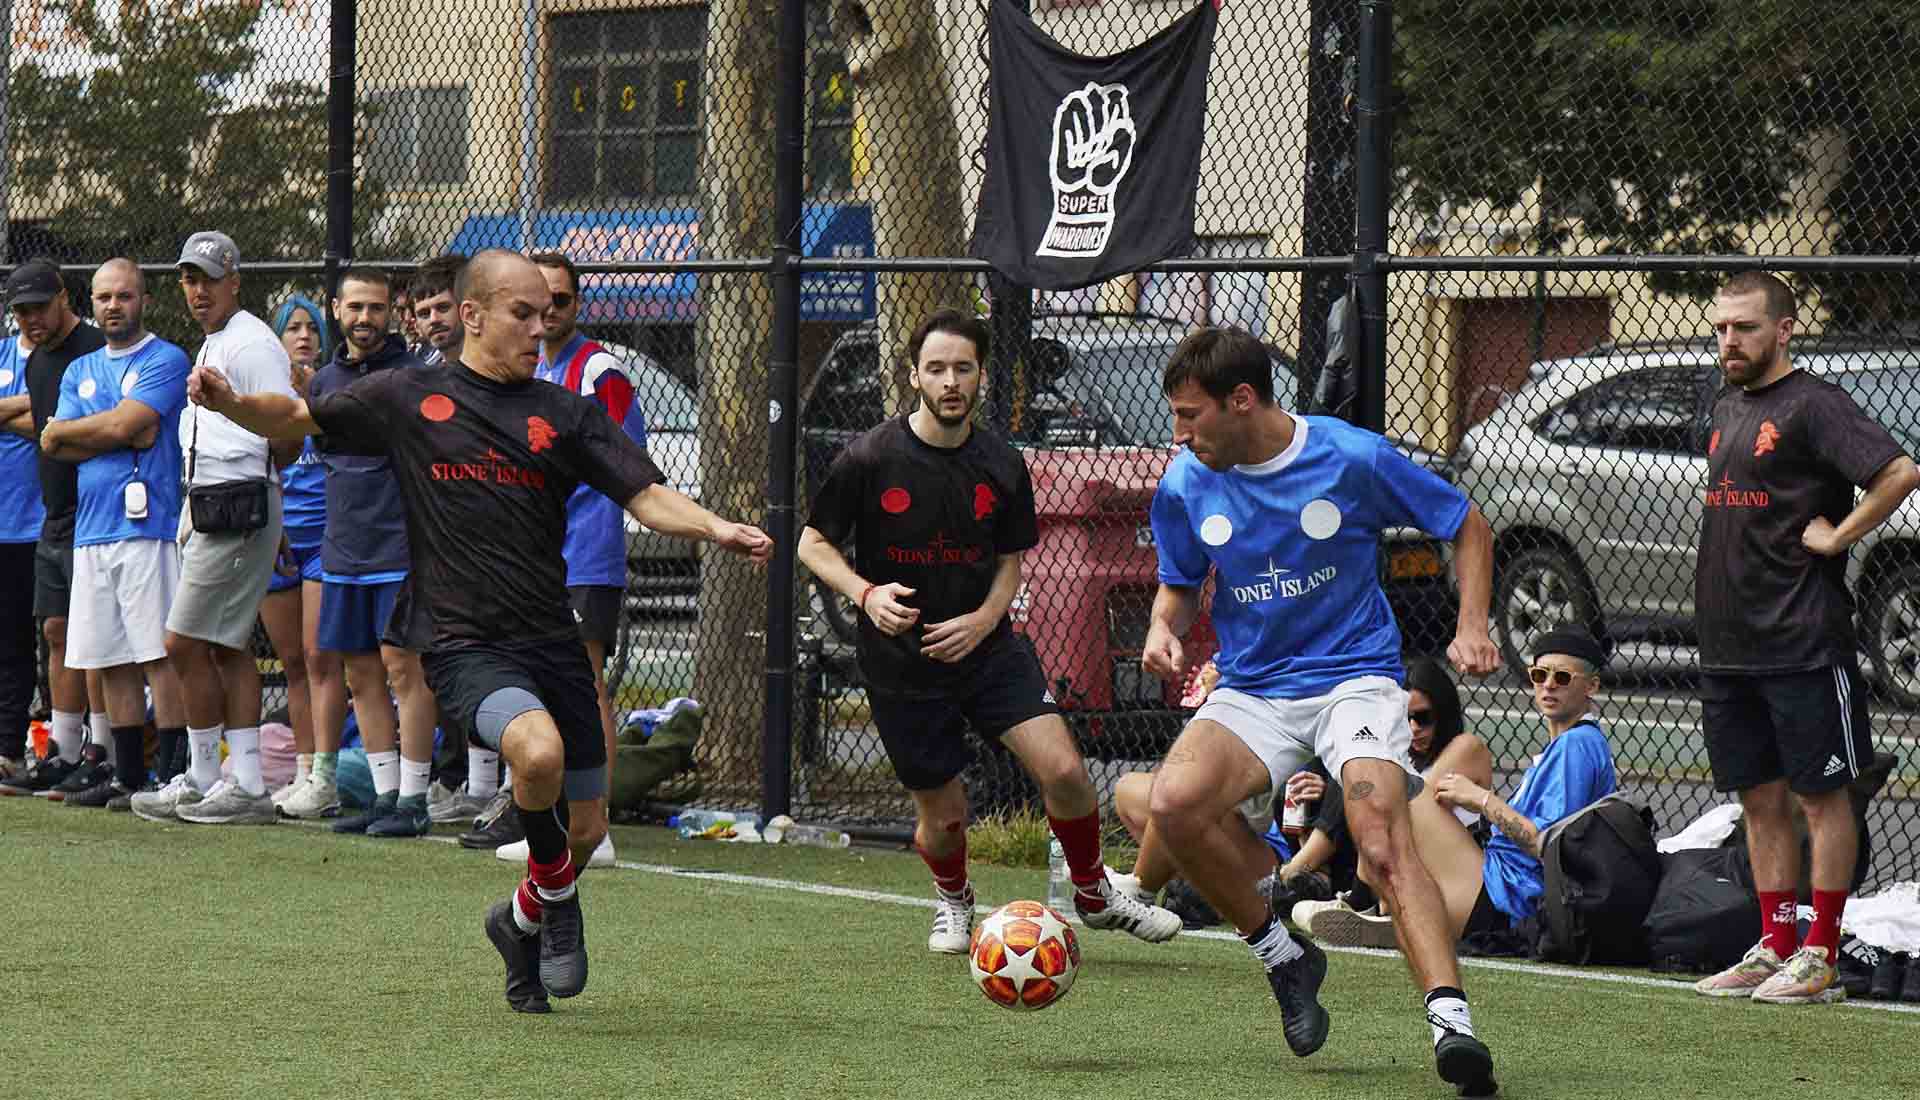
column 1574, row 770
column 21, row 510
column 596, row 542
column 1295, row 544
column 303, row 498
column 154, row 373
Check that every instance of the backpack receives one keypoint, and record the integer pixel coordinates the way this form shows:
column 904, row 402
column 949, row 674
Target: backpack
column 1704, row 917
column 1601, row 874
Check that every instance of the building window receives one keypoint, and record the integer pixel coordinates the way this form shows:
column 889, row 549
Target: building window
column 1236, row 298
column 829, row 108
column 418, row 136
column 624, row 117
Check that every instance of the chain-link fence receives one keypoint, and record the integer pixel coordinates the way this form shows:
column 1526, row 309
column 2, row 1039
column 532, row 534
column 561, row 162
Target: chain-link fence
column 1493, row 239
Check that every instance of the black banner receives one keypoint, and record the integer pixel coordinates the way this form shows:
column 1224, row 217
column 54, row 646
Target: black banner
column 1092, row 162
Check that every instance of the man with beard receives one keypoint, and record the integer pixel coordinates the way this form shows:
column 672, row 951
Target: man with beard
column 940, row 514
column 363, row 564
column 119, row 420
column 436, row 315
column 1783, row 708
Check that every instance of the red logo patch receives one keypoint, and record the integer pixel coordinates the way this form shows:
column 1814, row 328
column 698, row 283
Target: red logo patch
column 540, row 434
column 895, row 501
column 437, row 407
column 1714, row 443
column 983, row 500
column 1764, row 441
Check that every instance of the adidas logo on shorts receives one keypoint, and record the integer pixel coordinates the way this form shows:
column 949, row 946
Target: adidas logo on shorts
column 1366, row 734
column 1834, row 766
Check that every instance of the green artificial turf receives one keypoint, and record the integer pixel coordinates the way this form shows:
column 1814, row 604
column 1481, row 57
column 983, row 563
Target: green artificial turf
column 284, row 962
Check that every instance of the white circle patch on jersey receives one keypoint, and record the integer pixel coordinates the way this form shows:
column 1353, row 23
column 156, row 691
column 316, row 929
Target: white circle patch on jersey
column 1320, row 519
column 6, row 377
column 87, row 387
column 127, row 383
column 1216, row 529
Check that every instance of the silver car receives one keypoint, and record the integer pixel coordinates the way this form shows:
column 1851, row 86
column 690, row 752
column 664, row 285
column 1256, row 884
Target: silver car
column 1592, row 476
column 672, row 411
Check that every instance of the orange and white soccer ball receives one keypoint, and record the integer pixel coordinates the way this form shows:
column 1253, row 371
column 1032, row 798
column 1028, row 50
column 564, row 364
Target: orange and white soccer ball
column 1024, row 956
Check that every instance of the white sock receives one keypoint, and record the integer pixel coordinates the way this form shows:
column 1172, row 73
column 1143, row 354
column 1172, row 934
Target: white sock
column 68, row 734
column 302, row 766
column 243, row 747
column 385, row 767
column 203, row 756
column 506, row 776
column 483, row 772
column 1446, row 1012
column 102, row 731
column 1272, row 945
column 414, row 776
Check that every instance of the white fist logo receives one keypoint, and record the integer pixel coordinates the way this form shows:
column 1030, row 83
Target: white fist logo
column 1093, row 140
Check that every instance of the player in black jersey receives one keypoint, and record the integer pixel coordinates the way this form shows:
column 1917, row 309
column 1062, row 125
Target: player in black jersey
column 940, row 514
column 486, row 458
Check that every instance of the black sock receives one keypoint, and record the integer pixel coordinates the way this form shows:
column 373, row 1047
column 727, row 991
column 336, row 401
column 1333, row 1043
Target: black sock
column 130, row 756
column 546, row 831
column 1440, row 991
column 171, row 760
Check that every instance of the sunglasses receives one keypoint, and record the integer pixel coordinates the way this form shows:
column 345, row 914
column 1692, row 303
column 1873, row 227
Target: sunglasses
column 1560, row 676
column 1420, row 717
column 562, row 301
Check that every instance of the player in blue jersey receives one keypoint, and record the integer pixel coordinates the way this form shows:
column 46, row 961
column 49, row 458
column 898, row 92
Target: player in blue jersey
column 20, row 516
column 1286, row 512
column 316, row 687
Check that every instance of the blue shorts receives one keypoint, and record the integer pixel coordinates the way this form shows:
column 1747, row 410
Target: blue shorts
column 352, row 616
column 307, row 556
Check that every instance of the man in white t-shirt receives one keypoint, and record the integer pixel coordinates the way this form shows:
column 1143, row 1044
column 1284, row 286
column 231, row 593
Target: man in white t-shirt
column 223, row 573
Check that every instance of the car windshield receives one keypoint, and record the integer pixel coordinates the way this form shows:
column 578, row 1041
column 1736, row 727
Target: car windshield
column 664, row 400
column 1890, row 396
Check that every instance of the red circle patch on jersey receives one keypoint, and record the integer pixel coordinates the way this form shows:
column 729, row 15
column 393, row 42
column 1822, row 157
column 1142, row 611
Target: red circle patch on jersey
column 437, row 407
column 895, row 501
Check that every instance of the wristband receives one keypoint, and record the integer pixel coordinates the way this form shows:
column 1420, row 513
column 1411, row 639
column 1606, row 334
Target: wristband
column 863, row 599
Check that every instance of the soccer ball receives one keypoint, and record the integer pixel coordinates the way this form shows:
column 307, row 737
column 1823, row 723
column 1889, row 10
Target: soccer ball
column 1024, row 956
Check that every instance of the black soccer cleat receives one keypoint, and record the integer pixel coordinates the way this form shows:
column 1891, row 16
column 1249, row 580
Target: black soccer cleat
column 45, row 774
column 1466, row 1062
column 93, row 770
column 503, row 828
column 1296, row 985
column 563, row 947
column 522, row 956
column 100, row 795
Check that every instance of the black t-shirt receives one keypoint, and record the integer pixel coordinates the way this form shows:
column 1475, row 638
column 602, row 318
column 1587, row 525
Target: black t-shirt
column 936, row 520
column 1777, row 458
column 485, row 468
column 59, row 481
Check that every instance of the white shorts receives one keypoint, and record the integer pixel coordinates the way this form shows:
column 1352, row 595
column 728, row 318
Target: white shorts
column 1364, row 718
column 122, row 592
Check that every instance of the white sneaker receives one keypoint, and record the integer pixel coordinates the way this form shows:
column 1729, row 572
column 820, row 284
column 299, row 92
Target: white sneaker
column 517, row 852
column 1337, row 923
column 1130, row 886
column 228, row 803
column 1125, row 911
column 164, row 804
column 952, row 924
column 316, row 798
column 281, row 794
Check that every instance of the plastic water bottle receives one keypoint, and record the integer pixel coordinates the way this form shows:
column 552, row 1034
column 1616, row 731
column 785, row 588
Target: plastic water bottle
column 693, row 823
column 817, row 836
column 1059, row 882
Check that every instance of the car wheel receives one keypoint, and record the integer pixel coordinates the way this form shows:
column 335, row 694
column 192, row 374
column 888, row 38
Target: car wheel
column 1892, row 635
column 1540, row 589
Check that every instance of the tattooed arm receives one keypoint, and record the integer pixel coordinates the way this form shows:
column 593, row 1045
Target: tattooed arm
column 1511, row 822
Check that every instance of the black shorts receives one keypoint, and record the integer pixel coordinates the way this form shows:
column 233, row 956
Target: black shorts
column 408, row 626
column 52, row 578
column 1809, row 728
column 596, row 607
column 555, row 673
column 924, row 735
column 1486, row 916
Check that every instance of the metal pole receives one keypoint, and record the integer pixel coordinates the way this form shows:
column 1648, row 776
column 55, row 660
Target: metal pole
column 529, row 117
column 783, row 389
column 1326, row 216
column 1373, row 169
column 340, row 79
column 6, row 161
column 1011, row 325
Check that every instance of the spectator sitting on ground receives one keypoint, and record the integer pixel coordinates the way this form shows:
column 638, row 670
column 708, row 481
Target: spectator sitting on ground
column 1491, row 891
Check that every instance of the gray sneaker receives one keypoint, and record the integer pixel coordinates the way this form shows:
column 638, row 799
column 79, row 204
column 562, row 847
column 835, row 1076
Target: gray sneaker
column 164, row 803
column 230, row 804
column 316, row 798
column 455, row 807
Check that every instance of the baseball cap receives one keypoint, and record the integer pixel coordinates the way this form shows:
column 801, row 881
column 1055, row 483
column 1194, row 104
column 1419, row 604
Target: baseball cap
column 1573, row 642
column 34, row 283
column 212, row 252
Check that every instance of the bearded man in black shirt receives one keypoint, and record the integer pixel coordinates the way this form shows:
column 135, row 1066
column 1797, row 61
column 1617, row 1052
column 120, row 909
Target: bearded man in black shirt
column 939, row 515
column 486, row 458
column 1782, row 704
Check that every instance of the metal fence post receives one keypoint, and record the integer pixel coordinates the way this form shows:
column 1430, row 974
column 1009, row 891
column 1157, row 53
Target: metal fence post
column 1327, row 192
column 340, row 81
column 1373, row 171
column 783, row 388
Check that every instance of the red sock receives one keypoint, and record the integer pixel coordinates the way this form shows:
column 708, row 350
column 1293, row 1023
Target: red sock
column 1825, row 931
column 526, row 900
column 554, row 880
column 950, row 870
column 1080, row 841
column 1778, row 912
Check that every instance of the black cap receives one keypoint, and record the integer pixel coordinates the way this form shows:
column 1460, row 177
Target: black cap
column 34, row 283
column 1573, row 642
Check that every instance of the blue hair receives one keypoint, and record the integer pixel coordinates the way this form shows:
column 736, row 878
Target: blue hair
column 283, row 315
